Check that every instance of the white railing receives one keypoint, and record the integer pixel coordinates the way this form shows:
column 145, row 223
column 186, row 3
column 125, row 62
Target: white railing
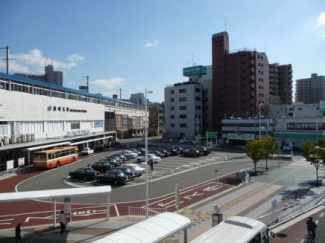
column 136, row 211
column 293, row 208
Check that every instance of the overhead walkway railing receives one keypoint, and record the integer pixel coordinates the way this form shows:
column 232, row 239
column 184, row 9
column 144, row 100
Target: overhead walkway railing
column 151, row 230
column 56, row 194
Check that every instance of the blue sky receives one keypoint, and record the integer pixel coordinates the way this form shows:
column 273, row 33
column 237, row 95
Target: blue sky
column 145, row 44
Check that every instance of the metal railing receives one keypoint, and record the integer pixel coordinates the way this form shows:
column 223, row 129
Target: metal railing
column 141, row 212
column 293, row 208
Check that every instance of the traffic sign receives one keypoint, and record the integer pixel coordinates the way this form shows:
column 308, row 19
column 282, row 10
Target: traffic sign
column 211, row 134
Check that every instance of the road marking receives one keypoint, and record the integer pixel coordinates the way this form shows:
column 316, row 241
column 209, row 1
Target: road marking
column 3, row 221
column 195, row 194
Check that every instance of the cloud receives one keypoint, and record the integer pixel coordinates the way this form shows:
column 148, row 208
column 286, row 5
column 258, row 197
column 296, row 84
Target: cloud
column 108, row 83
column 34, row 61
column 320, row 20
column 151, row 44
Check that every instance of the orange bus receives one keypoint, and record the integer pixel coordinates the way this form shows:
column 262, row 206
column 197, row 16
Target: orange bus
column 55, row 157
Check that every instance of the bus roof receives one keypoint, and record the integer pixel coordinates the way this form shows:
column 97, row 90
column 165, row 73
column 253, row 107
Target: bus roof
column 55, row 149
column 235, row 229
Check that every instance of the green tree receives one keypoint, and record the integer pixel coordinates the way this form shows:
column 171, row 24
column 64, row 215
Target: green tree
column 315, row 154
column 255, row 151
column 268, row 147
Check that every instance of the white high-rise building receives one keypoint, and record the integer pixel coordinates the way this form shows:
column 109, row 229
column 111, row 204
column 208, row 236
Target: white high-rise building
column 310, row 90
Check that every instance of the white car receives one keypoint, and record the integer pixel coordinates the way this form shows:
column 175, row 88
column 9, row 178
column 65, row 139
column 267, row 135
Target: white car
column 131, row 152
column 151, row 157
column 87, row 151
column 138, row 168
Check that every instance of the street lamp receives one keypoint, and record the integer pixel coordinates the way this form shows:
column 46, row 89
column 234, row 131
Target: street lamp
column 260, row 129
column 146, row 149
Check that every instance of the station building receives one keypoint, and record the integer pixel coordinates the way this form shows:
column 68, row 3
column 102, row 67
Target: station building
column 35, row 113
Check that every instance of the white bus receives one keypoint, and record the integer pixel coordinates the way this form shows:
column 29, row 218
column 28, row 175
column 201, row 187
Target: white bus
column 236, row 229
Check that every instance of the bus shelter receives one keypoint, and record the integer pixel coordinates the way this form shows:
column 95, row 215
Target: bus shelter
column 56, row 194
column 154, row 229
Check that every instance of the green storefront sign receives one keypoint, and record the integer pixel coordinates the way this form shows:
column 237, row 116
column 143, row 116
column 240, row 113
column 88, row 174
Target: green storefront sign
column 193, row 71
column 236, row 136
column 211, row 135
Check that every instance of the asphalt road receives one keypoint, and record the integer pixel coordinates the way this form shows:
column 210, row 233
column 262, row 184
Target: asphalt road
column 191, row 173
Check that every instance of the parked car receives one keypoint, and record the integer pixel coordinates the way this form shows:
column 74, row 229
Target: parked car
column 113, row 161
column 138, row 151
column 172, row 151
column 121, row 156
column 190, row 153
column 128, row 171
column 151, row 157
column 102, row 166
column 128, row 155
column 114, row 177
column 204, row 151
column 158, row 153
column 137, row 168
column 84, row 173
column 116, row 158
column 99, row 149
column 87, row 151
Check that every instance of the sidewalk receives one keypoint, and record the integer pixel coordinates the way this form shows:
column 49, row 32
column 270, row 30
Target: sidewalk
column 252, row 199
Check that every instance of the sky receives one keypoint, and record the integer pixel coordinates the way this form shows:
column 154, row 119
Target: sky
column 131, row 46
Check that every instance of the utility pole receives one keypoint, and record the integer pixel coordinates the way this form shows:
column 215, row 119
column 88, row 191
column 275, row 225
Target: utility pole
column 7, row 57
column 87, row 83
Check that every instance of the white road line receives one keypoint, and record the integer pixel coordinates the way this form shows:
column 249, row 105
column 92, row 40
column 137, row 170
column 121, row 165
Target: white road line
column 117, row 212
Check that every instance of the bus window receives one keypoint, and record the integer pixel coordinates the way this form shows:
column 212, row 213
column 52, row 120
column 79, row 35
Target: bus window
column 40, row 155
column 57, row 154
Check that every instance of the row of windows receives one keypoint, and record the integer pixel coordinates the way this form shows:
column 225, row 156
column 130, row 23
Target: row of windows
column 243, row 124
column 61, row 154
column 185, row 108
column 180, row 116
column 301, row 126
column 34, row 89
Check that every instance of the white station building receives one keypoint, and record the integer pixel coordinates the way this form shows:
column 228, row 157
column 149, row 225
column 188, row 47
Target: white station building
column 35, row 113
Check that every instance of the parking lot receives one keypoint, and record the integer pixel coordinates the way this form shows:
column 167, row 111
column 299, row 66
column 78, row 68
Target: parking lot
column 168, row 166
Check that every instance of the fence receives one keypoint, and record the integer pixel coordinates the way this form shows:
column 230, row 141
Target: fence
column 291, row 209
column 135, row 211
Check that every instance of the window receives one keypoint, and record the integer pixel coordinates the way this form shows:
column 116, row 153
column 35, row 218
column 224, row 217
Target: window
column 182, row 108
column 172, row 125
column 197, row 90
column 182, row 125
column 182, row 116
column 301, row 126
column 172, row 116
column 182, row 99
column 198, row 107
column 182, row 91
column 198, row 98
column 171, row 99
column 172, row 91
column 172, row 108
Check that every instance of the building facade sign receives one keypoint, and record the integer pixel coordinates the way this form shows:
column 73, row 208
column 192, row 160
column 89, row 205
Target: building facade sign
column 194, row 71
column 77, row 133
column 236, row 136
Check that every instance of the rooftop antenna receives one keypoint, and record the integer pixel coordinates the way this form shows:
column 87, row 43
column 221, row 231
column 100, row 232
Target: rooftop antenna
column 225, row 24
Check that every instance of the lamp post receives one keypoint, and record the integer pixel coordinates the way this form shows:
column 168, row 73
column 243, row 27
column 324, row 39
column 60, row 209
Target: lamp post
column 260, row 129
column 146, row 149
column 7, row 56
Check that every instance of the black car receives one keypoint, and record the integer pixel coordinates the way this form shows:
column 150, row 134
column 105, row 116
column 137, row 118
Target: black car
column 204, row 151
column 113, row 161
column 99, row 149
column 114, row 177
column 158, row 153
column 191, row 153
column 102, row 166
column 84, row 173
column 173, row 151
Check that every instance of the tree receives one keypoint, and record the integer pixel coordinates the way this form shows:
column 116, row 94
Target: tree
column 315, row 154
column 268, row 147
column 255, row 151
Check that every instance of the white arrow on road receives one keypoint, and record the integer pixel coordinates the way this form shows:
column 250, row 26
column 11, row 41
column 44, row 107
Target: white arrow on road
column 195, row 194
column 211, row 188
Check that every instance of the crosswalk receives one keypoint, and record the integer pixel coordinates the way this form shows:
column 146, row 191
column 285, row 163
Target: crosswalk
column 302, row 162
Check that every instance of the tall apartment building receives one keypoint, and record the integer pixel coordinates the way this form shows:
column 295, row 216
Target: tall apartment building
column 280, row 77
column 50, row 76
column 310, row 90
column 183, row 109
column 240, row 81
column 137, row 98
